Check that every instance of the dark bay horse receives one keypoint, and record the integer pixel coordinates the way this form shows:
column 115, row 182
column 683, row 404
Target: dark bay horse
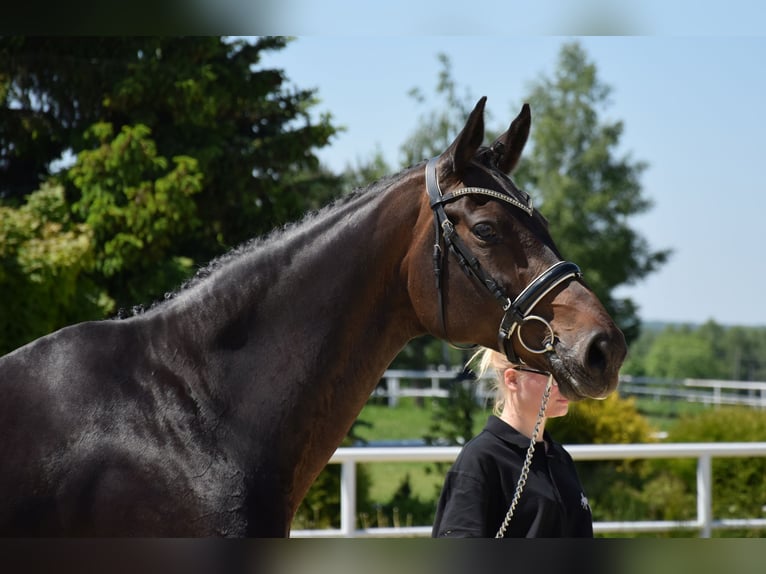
column 213, row 412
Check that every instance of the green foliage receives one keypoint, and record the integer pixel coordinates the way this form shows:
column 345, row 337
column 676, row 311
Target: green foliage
column 429, row 352
column 44, row 263
column 404, row 509
column 665, row 489
column 677, row 353
column 203, row 97
column 708, row 351
column 614, row 420
column 637, row 350
column 453, row 418
column 739, row 484
column 137, row 205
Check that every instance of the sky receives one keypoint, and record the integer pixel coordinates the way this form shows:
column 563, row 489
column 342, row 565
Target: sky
column 693, row 107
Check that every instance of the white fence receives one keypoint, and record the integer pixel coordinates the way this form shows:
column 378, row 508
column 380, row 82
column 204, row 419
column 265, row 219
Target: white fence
column 405, row 383
column 703, row 452
column 707, row 391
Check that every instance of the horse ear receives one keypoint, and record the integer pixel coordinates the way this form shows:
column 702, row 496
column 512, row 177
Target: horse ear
column 510, row 144
column 459, row 154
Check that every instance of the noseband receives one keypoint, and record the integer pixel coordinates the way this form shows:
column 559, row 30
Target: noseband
column 517, row 311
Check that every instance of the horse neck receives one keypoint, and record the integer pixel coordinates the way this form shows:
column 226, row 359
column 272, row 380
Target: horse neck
column 304, row 327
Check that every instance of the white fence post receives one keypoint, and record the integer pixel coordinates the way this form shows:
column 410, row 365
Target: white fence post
column 392, row 386
column 705, row 495
column 348, row 498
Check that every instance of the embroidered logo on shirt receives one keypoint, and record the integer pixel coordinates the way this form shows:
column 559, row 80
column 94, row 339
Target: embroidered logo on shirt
column 584, row 502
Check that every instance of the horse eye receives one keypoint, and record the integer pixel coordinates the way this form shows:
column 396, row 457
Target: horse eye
column 484, row 231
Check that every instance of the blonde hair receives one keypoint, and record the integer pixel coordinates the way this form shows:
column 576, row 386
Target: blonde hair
column 488, row 359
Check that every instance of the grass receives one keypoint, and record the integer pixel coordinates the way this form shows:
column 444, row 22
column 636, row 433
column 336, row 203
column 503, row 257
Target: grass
column 662, row 415
column 410, row 419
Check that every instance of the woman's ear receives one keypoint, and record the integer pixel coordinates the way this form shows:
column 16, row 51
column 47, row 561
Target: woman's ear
column 509, row 378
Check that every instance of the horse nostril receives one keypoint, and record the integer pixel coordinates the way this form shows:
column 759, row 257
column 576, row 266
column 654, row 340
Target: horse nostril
column 597, row 356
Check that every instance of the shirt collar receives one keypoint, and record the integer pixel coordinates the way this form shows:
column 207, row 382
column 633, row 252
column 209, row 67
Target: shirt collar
column 507, row 433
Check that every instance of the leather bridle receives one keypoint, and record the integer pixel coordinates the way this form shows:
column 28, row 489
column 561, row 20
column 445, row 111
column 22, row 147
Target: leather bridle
column 517, row 311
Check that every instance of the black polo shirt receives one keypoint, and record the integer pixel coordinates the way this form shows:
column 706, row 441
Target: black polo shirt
column 479, row 487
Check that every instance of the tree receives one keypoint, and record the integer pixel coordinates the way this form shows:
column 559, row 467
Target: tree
column 707, row 351
column 745, row 352
column 221, row 148
column 681, row 352
column 137, row 206
column 438, row 127
column 588, row 192
column 45, row 258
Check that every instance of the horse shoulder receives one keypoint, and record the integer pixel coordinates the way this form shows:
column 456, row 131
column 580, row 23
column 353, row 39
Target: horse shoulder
column 94, row 419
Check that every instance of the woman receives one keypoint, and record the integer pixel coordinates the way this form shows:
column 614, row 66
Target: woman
column 480, row 486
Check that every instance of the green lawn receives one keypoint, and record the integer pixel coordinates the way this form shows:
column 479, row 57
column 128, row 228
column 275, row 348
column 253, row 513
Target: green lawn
column 662, row 415
column 405, row 421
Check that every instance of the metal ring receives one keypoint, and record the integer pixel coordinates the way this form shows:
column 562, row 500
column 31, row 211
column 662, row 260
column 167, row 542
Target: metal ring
column 547, row 341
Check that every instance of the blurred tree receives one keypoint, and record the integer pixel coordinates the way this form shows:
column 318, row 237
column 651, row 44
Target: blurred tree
column 745, row 352
column 437, row 127
column 224, row 148
column 452, row 419
column 680, row 352
column 707, row 351
column 585, row 188
column 366, row 171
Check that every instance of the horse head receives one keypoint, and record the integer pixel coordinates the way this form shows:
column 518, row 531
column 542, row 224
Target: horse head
column 496, row 264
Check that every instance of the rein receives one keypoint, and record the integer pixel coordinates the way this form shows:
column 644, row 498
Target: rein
column 517, row 311
column 527, row 461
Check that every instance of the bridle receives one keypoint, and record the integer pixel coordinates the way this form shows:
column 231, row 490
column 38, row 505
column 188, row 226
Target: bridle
column 517, row 311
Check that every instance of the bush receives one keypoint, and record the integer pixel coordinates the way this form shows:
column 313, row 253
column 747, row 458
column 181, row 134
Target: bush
column 739, row 484
column 614, row 420
column 614, row 488
column 45, row 262
column 404, row 509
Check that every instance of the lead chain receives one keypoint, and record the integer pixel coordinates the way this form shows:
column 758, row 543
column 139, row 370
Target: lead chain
column 527, row 461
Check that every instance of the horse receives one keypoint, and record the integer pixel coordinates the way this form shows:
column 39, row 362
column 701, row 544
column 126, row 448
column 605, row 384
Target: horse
column 212, row 412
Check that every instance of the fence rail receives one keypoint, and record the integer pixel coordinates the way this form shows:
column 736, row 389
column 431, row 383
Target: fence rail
column 398, row 383
column 705, row 523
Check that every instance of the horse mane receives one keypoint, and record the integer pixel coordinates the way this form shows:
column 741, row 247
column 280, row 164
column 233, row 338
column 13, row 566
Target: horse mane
column 262, row 242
